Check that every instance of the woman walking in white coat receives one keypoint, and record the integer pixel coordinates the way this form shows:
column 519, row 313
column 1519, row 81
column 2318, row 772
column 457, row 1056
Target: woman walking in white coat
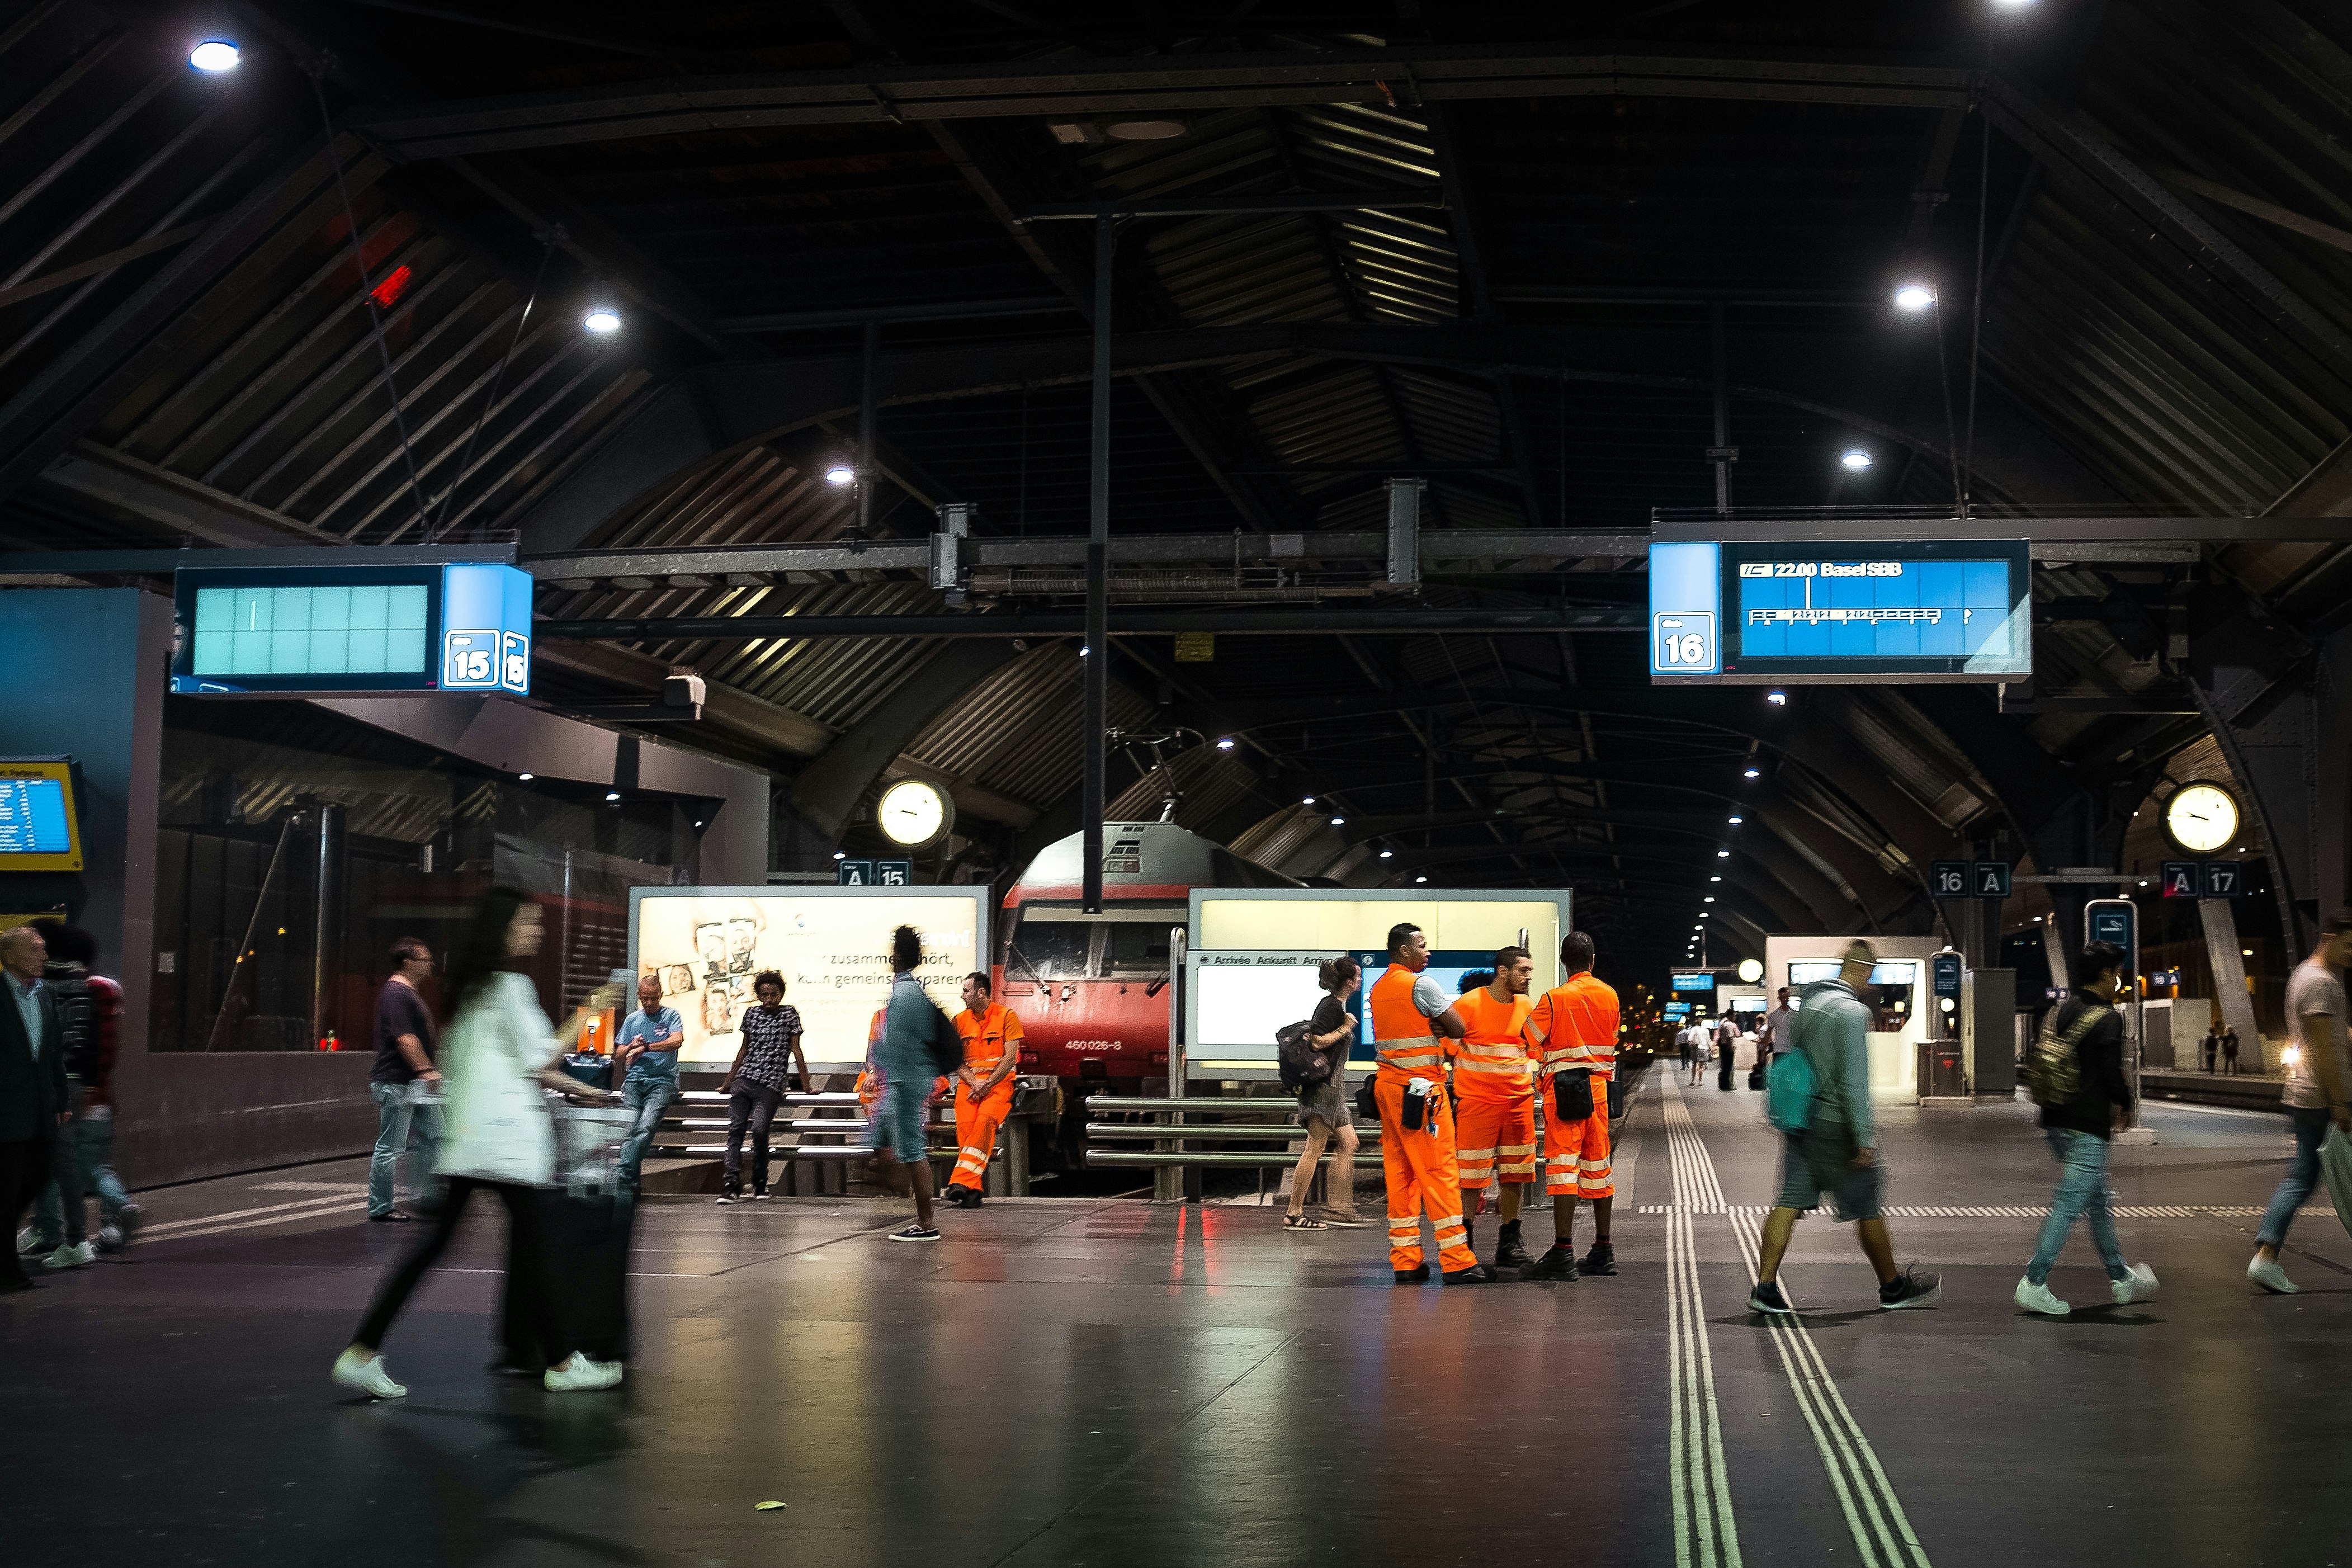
column 498, row 1056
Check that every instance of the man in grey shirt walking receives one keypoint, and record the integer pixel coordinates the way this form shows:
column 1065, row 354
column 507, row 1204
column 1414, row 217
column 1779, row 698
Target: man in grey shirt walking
column 1838, row 1151
column 2316, row 1092
column 1780, row 1026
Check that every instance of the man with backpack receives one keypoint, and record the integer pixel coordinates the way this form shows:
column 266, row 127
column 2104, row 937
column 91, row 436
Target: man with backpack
column 2075, row 1073
column 918, row 1043
column 1819, row 1097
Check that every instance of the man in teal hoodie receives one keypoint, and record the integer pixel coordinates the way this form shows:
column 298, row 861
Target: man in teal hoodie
column 1838, row 1151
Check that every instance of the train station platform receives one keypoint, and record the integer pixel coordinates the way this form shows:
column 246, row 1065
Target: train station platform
column 1084, row 1381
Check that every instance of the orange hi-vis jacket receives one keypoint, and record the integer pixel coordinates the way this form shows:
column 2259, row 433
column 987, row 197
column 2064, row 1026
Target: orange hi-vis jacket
column 1575, row 1025
column 988, row 1035
column 1492, row 1063
column 1402, row 1037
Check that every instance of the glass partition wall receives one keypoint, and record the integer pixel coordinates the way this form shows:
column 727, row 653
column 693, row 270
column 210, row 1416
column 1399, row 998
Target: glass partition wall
column 296, row 845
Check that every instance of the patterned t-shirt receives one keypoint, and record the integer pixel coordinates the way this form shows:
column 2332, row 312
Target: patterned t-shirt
column 767, row 1045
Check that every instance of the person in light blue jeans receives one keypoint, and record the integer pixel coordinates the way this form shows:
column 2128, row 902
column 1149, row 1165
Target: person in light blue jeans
column 2318, row 1090
column 2088, row 1029
column 646, row 1046
column 403, row 1083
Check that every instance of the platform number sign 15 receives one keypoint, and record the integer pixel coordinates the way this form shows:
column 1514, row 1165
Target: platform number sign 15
column 469, row 659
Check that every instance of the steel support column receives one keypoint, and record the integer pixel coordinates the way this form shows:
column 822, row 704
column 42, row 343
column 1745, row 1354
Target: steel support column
column 1097, row 651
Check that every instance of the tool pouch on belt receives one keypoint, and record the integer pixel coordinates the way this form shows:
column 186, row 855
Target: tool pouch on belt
column 1416, row 1104
column 1571, row 1094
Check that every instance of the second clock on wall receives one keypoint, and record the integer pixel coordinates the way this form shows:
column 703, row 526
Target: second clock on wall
column 914, row 811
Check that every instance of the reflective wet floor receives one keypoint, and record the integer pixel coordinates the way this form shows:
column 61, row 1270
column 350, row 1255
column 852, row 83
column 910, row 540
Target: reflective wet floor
column 1107, row 1381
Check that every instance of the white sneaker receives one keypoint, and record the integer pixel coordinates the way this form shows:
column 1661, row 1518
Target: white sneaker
column 2033, row 1298
column 2136, row 1286
column 28, row 1241
column 579, row 1374
column 356, row 1369
column 2266, row 1273
column 71, row 1255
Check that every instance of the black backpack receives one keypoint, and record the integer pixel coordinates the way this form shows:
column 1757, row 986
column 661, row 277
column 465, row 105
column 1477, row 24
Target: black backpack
column 1301, row 1065
column 77, row 1024
column 947, row 1046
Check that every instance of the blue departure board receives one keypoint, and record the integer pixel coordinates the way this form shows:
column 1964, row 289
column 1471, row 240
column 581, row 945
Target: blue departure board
column 39, row 828
column 1916, row 609
column 464, row 626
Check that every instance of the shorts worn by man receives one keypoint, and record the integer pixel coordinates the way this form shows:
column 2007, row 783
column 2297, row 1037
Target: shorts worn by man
column 649, row 1040
column 1573, row 1033
column 1495, row 1089
column 983, row 1086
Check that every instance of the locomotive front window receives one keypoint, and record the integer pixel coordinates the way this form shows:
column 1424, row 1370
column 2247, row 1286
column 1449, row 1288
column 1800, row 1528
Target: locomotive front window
column 1049, row 950
column 1139, row 949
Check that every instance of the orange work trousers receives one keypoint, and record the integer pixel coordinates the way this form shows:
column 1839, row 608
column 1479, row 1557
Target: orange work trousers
column 1423, row 1178
column 976, row 1124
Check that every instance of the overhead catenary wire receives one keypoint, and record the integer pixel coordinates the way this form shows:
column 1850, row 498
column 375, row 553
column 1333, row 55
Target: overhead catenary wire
column 456, row 477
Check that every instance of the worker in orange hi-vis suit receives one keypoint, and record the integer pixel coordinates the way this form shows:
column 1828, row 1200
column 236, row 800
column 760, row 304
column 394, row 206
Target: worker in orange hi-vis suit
column 1573, row 1033
column 1412, row 1019
column 983, row 1085
column 1495, row 1085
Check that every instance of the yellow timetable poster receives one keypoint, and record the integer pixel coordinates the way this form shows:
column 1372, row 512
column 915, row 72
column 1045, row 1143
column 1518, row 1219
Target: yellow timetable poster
column 833, row 953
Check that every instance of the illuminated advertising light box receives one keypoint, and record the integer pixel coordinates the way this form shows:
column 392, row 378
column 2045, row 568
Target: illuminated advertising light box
column 1702, row 981
column 830, row 945
column 40, row 829
column 310, row 629
column 1842, row 613
column 1253, row 957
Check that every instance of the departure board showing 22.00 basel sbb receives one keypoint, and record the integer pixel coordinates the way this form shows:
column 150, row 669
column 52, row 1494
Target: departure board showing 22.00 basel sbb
column 1951, row 610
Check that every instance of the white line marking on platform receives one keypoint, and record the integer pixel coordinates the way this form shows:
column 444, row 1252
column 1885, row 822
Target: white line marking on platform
column 1700, row 1484
column 1874, row 1515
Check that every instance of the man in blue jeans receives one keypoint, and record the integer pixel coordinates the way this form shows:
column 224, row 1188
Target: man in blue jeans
column 646, row 1048
column 401, row 1082
column 2317, row 1091
column 2079, row 1131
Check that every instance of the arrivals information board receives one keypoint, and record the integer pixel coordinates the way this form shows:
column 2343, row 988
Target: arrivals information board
column 1733, row 613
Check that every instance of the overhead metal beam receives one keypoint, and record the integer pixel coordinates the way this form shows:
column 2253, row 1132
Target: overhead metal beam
column 878, row 94
column 1123, row 623
column 828, row 789
column 173, row 500
column 2072, row 147
column 1230, row 206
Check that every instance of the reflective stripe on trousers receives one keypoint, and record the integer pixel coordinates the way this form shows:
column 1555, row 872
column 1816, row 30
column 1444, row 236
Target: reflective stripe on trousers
column 1423, row 1177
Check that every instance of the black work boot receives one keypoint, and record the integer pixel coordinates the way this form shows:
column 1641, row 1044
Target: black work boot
column 1476, row 1274
column 1509, row 1252
column 1416, row 1275
column 1601, row 1260
column 1557, row 1263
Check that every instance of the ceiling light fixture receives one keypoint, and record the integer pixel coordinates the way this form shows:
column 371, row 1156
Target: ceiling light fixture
column 216, row 55
column 1421, row 879
column 1342, row 822
column 526, row 777
column 1723, row 853
column 1777, row 699
column 1913, row 297
column 841, row 474
column 1754, row 774
column 612, row 794
column 1226, row 745
column 1856, row 459
column 602, row 320
column 1386, row 853
column 841, row 854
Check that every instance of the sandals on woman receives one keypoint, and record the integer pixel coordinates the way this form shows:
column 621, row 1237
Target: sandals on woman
column 1301, row 1222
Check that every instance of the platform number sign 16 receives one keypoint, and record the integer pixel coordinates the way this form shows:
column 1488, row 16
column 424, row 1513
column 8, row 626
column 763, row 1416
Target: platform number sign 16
column 1951, row 878
column 1685, row 640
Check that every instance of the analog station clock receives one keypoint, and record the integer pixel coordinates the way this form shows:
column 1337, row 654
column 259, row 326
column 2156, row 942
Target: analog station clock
column 2201, row 817
column 913, row 813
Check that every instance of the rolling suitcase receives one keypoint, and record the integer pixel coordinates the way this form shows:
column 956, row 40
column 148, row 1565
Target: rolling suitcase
column 587, row 1221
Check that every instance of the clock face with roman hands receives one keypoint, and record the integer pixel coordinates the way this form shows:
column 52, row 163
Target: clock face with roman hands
column 913, row 813
column 2201, row 817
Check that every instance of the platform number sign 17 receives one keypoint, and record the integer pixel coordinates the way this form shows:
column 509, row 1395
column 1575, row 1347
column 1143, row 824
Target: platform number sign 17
column 1951, row 878
column 1685, row 640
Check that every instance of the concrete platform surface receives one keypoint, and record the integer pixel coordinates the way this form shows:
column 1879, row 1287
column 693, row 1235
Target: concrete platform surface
column 1104, row 1382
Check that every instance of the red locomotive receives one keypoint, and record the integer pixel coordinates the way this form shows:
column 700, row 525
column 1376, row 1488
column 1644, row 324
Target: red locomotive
column 1092, row 990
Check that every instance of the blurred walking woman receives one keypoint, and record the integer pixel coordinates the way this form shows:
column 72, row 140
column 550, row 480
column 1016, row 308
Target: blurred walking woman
column 1323, row 1107
column 499, row 1054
